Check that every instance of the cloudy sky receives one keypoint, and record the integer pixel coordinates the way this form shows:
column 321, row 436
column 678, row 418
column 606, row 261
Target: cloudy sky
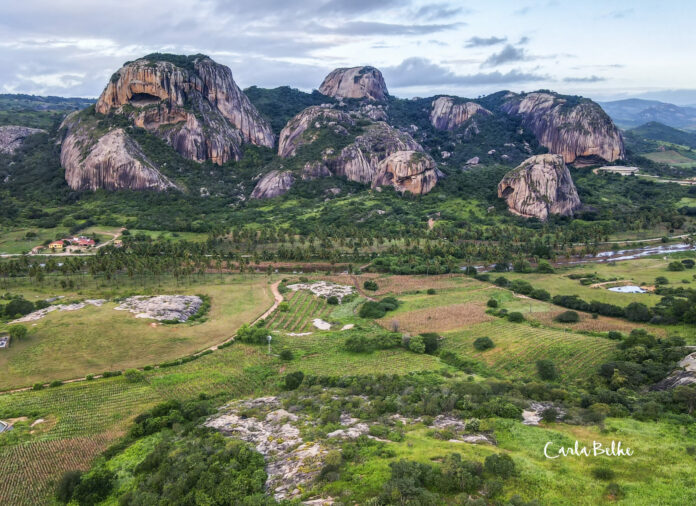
column 603, row 49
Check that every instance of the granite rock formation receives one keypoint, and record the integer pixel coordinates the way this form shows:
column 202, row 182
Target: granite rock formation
column 539, row 186
column 304, row 127
column 12, row 137
column 408, row 171
column 273, row 184
column 577, row 129
column 446, row 114
column 355, row 82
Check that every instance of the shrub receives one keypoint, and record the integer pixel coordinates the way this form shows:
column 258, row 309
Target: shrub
column 613, row 492
column 431, row 341
column 55, row 383
column 492, row 303
column 252, row 335
column 484, row 343
column 545, row 267
column 357, row 344
column 502, row 281
column 661, row 280
column 18, row 332
column 522, row 266
column 550, row 414
column 688, row 263
column 287, row 354
column 133, row 375
column 66, row 486
column 293, row 380
column 371, row 285
column 416, row 344
column 332, row 300
column 516, row 317
column 37, row 386
column 94, row 486
column 675, row 266
column 431, row 291
column 603, row 473
column 615, row 335
column 500, row 465
column 89, row 377
column 540, row 294
column 546, row 370
column 283, row 307
column 568, row 317
column 638, row 312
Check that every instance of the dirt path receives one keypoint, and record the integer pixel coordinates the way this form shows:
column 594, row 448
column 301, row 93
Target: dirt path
column 622, row 281
column 278, row 298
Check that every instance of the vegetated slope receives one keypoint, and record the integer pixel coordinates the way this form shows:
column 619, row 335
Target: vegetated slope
column 633, row 112
column 278, row 105
column 655, row 131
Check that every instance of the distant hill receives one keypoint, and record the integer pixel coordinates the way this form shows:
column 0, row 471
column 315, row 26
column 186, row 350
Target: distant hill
column 22, row 102
column 634, row 112
column 658, row 132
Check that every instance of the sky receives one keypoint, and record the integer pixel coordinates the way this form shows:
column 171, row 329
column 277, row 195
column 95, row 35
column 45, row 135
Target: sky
column 605, row 50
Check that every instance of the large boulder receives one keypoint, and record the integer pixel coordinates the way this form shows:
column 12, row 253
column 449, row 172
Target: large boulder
column 113, row 162
column 576, row 128
column 12, row 137
column 355, row 82
column 539, row 186
column 447, row 114
column 273, row 184
column 190, row 102
column 408, row 171
column 305, row 126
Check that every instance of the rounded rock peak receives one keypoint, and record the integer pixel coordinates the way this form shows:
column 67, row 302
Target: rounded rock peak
column 356, row 82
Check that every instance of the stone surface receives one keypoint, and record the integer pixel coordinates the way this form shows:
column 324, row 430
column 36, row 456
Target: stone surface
column 355, row 82
column 324, row 289
column 273, row 184
column 446, row 114
column 12, row 137
column 112, row 162
column 302, row 129
column 40, row 313
column 579, row 130
column 411, row 171
column 539, row 186
column 162, row 307
column 532, row 415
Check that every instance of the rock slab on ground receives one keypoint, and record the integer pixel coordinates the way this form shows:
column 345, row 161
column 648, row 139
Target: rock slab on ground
column 162, row 307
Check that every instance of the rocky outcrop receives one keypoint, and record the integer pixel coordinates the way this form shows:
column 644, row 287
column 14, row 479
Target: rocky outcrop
column 191, row 102
column 411, row 171
column 12, row 137
column 273, row 184
column 576, row 128
column 113, row 161
column 539, row 186
column 356, row 82
column 305, row 126
column 446, row 114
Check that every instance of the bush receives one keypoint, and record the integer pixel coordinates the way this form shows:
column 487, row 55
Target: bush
column 357, row 344
column 492, row 303
column 18, row 332
column 676, row 266
column 133, row 375
column 332, row 300
column 546, row 370
column 502, row 281
column 545, row 267
column 431, row 341
column 66, row 486
column 516, row 317
column 614, row 492
column 416, row 344
column 287, row 354
column 500, row 465
column 431, row 291
column 484, row 343
column 688, row 263
column 550, row 414
column 540, row 294
column 283, row 307
column 37, row 386
column 252, row 335
column 661, row 280
column 94, row 486
column 638, row 312
column 293, row 380
column 568, row 317
column 55, row 383
column 603, row 473
column 371, row 285
column 615, row 335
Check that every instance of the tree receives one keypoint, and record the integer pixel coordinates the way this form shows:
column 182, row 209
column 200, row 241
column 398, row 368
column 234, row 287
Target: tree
column 416, row 344
column 568, row 317
column 18, row 332
column 370, row 285
column 293, row 380
column 546, row 369
column 516, row 317
column 492, row 303
column 66, row 486
column 675, row 266
column 484, row 343
column 638, row 312
column 500, row 465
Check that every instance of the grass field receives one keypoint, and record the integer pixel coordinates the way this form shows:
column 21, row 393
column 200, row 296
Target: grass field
column 671, row 157
column 303, row 308
column 66, row 345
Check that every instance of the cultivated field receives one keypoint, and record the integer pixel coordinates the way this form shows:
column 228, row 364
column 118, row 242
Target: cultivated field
column 303, row 308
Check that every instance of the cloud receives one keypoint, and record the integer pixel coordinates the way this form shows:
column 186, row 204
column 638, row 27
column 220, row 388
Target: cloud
column 355, row 28
column 438, row 11
column 589, row 79
column 484, row 41
column 421, row 71
column 621, row 14
column 508, row 54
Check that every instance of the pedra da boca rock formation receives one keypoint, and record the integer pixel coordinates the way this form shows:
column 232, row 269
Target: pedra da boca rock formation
column 190, row 102
column 355, row 82
column 447, row 114
column 576, row 128
column 360, row 150
column 539, row 186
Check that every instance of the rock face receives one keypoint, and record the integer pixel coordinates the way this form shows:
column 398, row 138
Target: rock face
column 539, row 186
column 355, row 82
column 191, row 102
column 162, row 307
column 445, row 114
column 295, row 133
column 577, row 129
column 112, row 162
column 411, row 171
column 273, row 184
column 12, row 137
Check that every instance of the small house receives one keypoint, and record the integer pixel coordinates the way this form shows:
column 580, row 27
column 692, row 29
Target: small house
column 118, row 243
column 56, row 245
column 82, row 241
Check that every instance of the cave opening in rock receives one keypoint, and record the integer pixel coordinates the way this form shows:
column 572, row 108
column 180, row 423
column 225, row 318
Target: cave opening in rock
column 508, row 191
column 143, row 99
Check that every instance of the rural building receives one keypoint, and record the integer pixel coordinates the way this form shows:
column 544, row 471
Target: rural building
column 118, row 243
column 56, row 245
column 82, row 241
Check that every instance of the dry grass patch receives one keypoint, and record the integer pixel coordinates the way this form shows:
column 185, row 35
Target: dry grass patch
column 394, row 284
column 439, row 319
column 589, row 324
